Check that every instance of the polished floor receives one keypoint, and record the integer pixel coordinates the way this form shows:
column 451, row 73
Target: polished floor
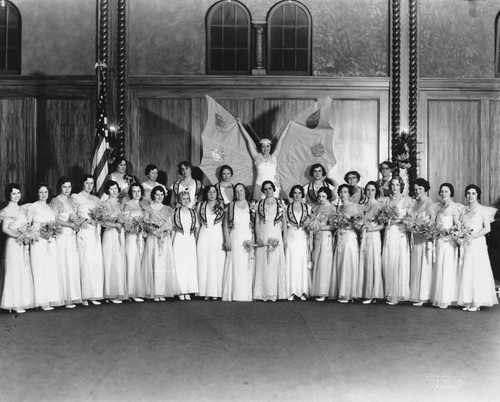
column 216, row 351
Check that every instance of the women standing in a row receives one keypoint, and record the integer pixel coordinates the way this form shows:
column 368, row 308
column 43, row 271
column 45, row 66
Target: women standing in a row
column 67, row 247
column 477, row 286
column 18, row 293
column 43, row 254
column 396, row 252
column 113, row 246
column 270, row 229
column 296, row 253
column 240, row 261
column 89, row 242
column 323, row 246
column 210, row 245
column 370, row 284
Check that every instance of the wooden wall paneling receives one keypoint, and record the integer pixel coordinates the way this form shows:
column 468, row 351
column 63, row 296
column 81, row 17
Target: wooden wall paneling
column 494, row 152
column 484, row 154
column 164, row 135
column 454, row 144
column 17, row 139
column 422, row 136
column 65, row 137
column 356, row 138
column 132, row 131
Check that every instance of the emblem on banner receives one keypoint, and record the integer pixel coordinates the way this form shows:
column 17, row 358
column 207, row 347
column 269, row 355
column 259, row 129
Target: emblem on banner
column 313, row 120
column 219, row 122
column 218, row 155
column 318, row 150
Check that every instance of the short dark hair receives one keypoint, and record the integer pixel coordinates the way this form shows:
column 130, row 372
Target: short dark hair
column 135, row 185
column 117, row 161
column 377, row 188
column 473, row 187
column 389, row 164
column 267, row 182
column 206, row 190
column 401, row 181
column 327, row 191
column 339, row 189
column 450, row 186
column 422, row 183
column 358, row 176
column 149, row 168
column 8, row 189
column 297, row 186
column 155, row 189
column 85, row 177
column 185, row 164
column 315, row 166
column 225, row 167
column 39, row 186
column 61, row 181
column 109, row 184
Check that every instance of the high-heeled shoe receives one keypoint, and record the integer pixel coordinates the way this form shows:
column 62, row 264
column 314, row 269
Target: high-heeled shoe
column 343, row 301
column 116, row 301
column 70, row 306
column 138, row 299
column 419, row 304
column 96, row 302
column 187, row 297
column 465, row 308
column 156, row 299
column 85, row 303
column 207, row 298
column 291, row 298
column 391, row 303
column 20, row 311
column 47, row 308
column 162, row 299
column 474, row 308
column 303, row 298
column 367, row 301
column 320, row 299
column 214, row 298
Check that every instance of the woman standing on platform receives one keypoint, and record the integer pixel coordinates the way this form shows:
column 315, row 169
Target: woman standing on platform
column 370, row 284
column 240, row 262
column 134, row 243
column 444, row 292
column 186, row 184
column 297, row 255
column 423, row 210
column 18, row 293
column 396, row 250
column 89, row 242
column 184, row 245
column 43, row 254
column 113, row 246
column 477, row 286
column 121, row 177
column 323, row 245
column 151, row 173
column 158, row 259
column 344, row 283
column 385, row 169
column 210, row 245
column 270, row 230
column 67, row 248
column 225, row 189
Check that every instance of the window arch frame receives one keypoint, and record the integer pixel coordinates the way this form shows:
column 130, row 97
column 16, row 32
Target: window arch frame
column 208, row 34
column 269, row 58
column 11, row 7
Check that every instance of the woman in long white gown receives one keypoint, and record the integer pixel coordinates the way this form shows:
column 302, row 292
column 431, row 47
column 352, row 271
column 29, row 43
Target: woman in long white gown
column 322, row 257
column 184, row 245
column 18, row 293
column 43, row 254
column 225, row 188
column 67, row 247
column 89, row 242
column 210, row 246
column 370, row 282
column 240, row 261
column 158, row 258
column 477, row 286
column 444, row 292
column 121, row 176
column 344, row 281
column 270, row 233
column 113, row 246
column 297, row 255
column 151, row 172
column 396, row 249
column 423, row 209
column 186, row 184
column 134, row 243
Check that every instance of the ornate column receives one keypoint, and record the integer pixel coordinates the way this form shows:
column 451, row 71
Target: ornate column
column 413, row 90
column 259, row 68
column 121, row 74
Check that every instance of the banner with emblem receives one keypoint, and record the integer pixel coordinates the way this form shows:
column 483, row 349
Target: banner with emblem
column 223, row 144
column 307, row 139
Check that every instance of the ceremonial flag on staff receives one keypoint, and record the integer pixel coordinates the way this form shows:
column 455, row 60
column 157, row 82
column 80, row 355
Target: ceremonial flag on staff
column 100, row 154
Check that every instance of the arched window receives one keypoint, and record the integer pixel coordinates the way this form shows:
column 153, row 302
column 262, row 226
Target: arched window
column 10, row 39
column 228, row 38
column 289, row 39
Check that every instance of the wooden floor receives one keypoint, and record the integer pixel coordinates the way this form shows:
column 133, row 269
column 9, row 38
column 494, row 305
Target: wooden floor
column 217, row 351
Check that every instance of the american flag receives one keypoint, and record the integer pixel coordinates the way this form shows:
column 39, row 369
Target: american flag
column 100, row 154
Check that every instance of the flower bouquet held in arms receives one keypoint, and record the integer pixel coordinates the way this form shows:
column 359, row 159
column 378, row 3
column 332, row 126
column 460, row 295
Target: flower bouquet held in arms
column 156, row 227
column 99, row 215
column 462, row 235
column 387, row 214
column 79, row 222
column 249, row 247
column 340, row 222
column 272, row 244
column 50, row 230
column 27, row 236
column 133, row 225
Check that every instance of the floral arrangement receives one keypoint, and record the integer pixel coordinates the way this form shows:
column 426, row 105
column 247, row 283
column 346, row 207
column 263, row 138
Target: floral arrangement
column 417, row 223
column 99, row 214
column 27, row 236
column 434, row 231
column 387, row 214
column 340, row 221
column 80, row 222
column 272, row 244
column 153, row 225
column 358, row 222
column 219, row 208
column 50, row 230
column 134, row 225
column 461, row 233
column 314, row 222
column 248, row 246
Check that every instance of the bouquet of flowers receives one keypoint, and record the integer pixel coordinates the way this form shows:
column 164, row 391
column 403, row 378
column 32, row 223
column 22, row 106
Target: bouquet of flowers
column 219, row 208
column 386, row 214
column 78, row 221
column 340, row 222
column 27, row 236
column 248, row 246
column 272, row 244
column 358, row 222
column 50, row 230
column 153, row 225
column 434, row 231
column 314, row 222
column 461, row 233
column 133, row 225
column 417, row 223
column 99, row 214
